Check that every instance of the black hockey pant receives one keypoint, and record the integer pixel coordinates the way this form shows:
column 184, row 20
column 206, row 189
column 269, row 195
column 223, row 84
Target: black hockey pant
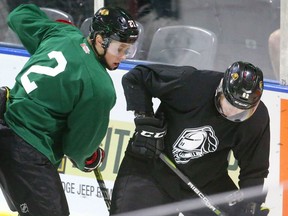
column 29, row 181
column 134, row 192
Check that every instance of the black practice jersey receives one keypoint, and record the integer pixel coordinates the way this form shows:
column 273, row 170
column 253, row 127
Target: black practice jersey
column 198, row 138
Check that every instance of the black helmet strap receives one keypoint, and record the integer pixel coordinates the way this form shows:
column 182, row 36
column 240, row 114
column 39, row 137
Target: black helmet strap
column 105, row 44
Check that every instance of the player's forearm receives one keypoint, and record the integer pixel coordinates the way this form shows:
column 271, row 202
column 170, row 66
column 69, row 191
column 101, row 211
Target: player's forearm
column 137, row 96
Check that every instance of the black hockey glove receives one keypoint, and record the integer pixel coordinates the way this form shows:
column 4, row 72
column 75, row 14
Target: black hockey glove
column 4, row 94
column 249, row 209
column 95, row 160
column 148, row 139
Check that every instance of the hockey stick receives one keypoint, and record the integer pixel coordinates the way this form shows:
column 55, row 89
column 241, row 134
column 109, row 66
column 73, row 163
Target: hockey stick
column 103, row 188
column 204, row 198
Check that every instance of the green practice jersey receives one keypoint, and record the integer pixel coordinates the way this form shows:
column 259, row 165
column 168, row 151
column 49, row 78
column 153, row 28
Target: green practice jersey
column 62, row 97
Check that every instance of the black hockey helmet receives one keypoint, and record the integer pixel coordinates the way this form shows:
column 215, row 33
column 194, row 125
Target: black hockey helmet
column 242, row 87
column 114, row 23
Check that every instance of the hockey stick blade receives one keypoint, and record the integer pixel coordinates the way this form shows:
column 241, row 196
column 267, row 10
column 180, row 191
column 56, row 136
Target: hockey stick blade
column 103, row 188
column 204, row 198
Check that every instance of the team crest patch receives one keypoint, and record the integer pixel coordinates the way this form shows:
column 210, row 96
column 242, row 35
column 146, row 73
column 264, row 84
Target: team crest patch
column 194, row 143
column 85, row 48
column 104, row 12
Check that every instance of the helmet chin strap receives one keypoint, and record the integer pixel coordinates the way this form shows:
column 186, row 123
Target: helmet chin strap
column 105, row 44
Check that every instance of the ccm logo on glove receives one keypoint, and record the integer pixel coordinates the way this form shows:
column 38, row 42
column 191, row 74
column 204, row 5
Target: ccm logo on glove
column 150, row 134
column 148, row 139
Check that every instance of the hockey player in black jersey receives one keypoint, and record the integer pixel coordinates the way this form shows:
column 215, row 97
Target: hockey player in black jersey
column 202, row 116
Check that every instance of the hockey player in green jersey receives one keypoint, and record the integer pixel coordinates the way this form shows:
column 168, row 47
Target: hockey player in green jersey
column 59, row 105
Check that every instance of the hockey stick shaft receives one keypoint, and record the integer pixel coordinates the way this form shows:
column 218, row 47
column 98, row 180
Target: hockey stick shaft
column 103, row 188
column 204, row 198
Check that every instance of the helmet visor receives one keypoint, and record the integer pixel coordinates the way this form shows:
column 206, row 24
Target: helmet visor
column 229, row 111
column 120, row 49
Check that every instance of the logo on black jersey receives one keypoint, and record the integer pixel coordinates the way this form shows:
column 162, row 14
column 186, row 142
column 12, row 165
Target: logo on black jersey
column 24, row 208
column 194, row 143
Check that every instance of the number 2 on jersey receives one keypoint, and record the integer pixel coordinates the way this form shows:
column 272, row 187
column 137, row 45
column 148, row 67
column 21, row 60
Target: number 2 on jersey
column 29, row 86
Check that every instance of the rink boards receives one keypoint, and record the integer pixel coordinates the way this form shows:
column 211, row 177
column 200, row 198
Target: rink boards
column 83, row 193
